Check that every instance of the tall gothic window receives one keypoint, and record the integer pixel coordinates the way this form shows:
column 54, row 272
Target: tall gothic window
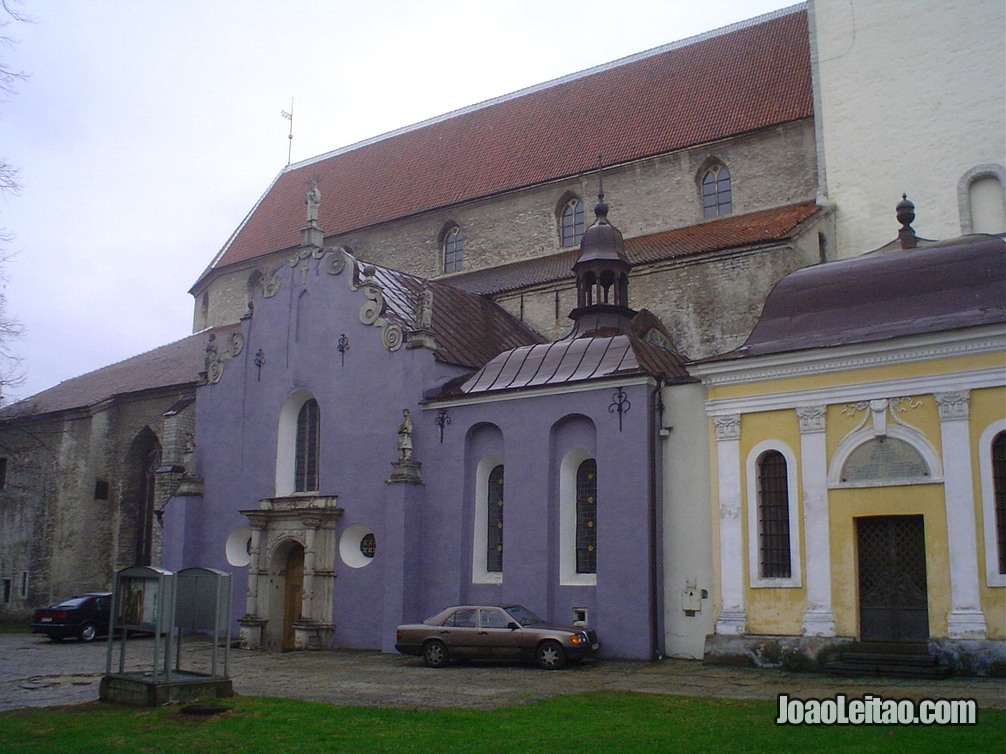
column 586, row 517
column 307, row 450
column 717, row 198
column 454, row 250
column 494, row 522
column 571, row 223
column 773, row 516
column 999, row 485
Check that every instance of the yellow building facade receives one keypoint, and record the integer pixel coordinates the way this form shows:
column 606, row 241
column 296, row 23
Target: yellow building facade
column 856, row 437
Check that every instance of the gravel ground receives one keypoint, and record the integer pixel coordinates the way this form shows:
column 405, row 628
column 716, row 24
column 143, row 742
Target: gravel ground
column 35, row 672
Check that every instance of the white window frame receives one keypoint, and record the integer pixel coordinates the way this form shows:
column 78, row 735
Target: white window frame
column 755, row 579
column 567, row 520
column 992, row 576
column 480, row 540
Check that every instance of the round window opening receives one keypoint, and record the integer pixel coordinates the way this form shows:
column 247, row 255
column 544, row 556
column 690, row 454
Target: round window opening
column 357, row 546
column 238, row 547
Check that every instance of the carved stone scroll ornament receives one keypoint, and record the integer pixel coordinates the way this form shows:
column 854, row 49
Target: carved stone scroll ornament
column 215, row 358
column 374, row 307
column 879, row 409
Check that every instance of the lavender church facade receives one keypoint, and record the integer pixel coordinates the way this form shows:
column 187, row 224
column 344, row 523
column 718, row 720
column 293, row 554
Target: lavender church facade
column 373, row 446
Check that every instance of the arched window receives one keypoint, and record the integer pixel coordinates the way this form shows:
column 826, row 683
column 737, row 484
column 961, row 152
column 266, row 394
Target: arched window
column 999, row 487
column 454, row 249
column 307, row 450
column 773, row 517
column 494, row 521
column 571, row 224
column 717, row 198
column 981, row 199
column 586, row 517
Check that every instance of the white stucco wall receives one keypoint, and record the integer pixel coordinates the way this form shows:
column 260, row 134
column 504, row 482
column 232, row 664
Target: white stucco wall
column 910, row 95
column 688, row 559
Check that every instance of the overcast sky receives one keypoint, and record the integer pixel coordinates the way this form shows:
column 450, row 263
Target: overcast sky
column 147, row 130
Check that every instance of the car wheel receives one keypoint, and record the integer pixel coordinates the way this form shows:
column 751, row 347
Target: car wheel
column 88, row 632
column 435, row 654
column 550, row 655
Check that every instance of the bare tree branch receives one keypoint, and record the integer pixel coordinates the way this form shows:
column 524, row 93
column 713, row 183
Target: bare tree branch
column 10, row 327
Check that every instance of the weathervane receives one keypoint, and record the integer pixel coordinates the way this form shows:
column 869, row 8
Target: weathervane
column 289, row 116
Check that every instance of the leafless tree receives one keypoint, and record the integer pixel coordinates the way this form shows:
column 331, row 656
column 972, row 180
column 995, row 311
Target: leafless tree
column 10, row 327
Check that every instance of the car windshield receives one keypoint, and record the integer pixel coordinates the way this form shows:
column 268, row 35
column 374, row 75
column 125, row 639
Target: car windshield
column 72, row 602
column 523, row 616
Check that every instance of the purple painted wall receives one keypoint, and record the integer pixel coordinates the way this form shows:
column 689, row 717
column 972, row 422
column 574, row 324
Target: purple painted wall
column 424, row 533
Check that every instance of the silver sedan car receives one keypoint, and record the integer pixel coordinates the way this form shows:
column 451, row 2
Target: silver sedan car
column 488, row 632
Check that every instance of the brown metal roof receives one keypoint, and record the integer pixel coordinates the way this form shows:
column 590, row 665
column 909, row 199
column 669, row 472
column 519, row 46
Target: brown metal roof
column 720, row 85
column 884, row 294
column 575, row 360
column 469, row 329
column 767, row 226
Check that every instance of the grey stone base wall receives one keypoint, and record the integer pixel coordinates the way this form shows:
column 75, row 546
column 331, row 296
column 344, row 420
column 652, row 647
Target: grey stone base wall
column 799, row 653
column 967, row 657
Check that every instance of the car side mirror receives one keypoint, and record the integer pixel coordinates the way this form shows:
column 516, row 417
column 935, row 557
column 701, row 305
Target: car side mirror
column 512, row 625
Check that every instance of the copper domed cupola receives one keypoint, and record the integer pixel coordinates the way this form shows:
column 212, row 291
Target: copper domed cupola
column 602, row 277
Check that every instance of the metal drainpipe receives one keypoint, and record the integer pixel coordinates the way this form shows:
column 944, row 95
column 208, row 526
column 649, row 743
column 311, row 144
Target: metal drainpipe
column 651, row 443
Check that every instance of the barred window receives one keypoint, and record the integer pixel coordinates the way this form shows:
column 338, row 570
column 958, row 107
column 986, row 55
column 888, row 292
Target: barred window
column 571, row 223
column 306, row 454
column 773, row 516
column 999, row 485
column 494, row 521
column 454, row 250
column 586, row 517
column 716, row 194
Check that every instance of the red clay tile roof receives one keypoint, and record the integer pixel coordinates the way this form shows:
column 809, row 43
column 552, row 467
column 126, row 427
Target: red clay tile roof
column 174, row 365
column 735, row 231
column 723, row 84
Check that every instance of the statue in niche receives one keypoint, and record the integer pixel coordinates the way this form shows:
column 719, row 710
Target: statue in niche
column 312, row 199
column 405, row 438
column 188, row 452
column 424, row 314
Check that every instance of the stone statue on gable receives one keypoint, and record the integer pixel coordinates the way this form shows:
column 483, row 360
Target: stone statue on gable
column 312, row 199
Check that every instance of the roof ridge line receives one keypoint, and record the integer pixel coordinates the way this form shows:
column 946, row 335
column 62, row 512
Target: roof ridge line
column 534, row 88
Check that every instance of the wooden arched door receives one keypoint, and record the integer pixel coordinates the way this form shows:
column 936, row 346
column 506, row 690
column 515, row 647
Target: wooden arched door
column 293, row 594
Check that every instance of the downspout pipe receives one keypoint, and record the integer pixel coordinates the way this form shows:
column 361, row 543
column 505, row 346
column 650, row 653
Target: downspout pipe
column 652, row 428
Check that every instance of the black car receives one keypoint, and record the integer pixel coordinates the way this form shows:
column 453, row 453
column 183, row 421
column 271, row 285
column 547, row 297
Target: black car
column 85, row 617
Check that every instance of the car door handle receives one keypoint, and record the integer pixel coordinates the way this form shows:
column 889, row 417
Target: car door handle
column 444, row 633
column 483, row 633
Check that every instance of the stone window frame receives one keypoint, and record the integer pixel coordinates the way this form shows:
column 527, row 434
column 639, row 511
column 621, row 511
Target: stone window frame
column 715, row 185
column 570, row 215
column 752, row 466
column 452, row 248
column 480, row 562
column 993, row 577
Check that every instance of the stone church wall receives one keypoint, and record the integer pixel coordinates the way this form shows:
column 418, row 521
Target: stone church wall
column 67, row 516
column 770, row 168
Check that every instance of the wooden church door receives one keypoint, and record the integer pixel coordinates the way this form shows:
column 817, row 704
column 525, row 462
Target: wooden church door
column 293, row 594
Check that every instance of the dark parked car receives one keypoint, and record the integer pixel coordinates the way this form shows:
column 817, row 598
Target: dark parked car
column 485, row 632
column 85, row 617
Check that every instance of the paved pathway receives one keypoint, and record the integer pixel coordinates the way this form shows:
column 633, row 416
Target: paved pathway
column 35, row 672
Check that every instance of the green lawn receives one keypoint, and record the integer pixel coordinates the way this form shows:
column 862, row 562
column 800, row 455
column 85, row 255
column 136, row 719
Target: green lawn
column 598, row 722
